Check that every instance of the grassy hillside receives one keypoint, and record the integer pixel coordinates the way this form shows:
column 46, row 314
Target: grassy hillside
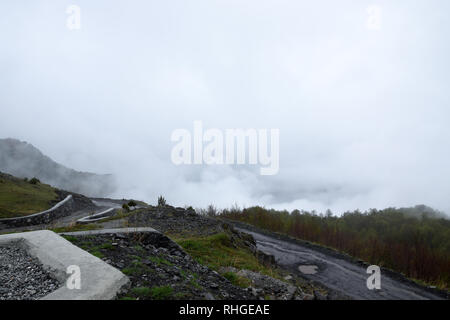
column 21, row 198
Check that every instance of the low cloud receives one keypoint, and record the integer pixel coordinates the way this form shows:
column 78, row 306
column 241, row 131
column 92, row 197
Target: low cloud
column 363, row 114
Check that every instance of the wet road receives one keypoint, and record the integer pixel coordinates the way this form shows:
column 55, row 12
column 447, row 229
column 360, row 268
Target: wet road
column 338, row 274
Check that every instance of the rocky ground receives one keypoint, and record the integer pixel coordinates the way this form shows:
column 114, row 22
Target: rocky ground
column 263, row 286
column 172, row 220
column 22, row 276
column 159, row 268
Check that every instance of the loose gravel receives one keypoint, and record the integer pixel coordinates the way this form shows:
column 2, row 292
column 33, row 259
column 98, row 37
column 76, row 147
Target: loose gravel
column 22, row 277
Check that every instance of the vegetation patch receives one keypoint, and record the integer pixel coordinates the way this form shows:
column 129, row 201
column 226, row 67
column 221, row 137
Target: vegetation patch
column 159, row 260
column 155, row 293
column 218, row 251
column 76, row 227
column 20, row 198
column 137, row 269
column 237, row 280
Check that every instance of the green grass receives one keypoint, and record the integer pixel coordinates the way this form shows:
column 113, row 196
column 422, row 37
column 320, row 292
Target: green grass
column 138, row 248
column 87, row 243
column 237, row 280
column 76, row 227
column 194, row 283
column 97, row 253
column 180, row 295
column 141, row 291
column 218, row 251
column 156, row 293
column 158, row 261
column 20, row 198
column 137, row 268
column 107, row 246
column 161, row 293
column 71, row 238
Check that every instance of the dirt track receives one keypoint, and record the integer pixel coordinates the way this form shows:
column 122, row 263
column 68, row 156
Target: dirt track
column 338, row 274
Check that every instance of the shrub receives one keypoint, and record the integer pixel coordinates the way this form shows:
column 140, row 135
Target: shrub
column 131, row 203
column 35, row 181
column 211, row 211
column 126, row 207
column 161, row 201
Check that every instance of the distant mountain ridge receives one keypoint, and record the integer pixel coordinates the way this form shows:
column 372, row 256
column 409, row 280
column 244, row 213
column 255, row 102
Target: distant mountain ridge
column 23, row 160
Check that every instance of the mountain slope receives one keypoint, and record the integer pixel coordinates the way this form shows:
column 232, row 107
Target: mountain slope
column 20, row 198
column 23, row 160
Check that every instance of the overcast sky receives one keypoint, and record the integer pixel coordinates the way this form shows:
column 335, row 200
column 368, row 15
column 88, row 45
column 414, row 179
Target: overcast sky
column 363, row 114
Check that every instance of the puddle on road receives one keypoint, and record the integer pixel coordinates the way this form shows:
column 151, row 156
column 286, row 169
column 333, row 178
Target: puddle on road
column 307, row 269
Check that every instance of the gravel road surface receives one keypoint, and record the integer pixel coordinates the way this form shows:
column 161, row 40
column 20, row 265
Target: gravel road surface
column 341, row 275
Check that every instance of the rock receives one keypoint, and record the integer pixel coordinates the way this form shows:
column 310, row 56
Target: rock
column 319, row 296
column 209, row 296
column 120, row 265
column 265, row 258
column 308, row 297
column 16, row 266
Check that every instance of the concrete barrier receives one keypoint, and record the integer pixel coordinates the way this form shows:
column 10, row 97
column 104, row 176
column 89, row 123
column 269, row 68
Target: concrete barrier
column 99, row 280
column 97, row 217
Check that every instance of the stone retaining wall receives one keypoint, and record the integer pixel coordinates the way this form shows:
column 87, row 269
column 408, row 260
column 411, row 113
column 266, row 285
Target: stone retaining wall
column 61, row 209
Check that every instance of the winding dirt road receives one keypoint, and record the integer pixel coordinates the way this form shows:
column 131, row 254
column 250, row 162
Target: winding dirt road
column 340, row 275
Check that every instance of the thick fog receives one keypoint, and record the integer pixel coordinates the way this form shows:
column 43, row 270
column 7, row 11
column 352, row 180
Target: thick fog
column 362, row 102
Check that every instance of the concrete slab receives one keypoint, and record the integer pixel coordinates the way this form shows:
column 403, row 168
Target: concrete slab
column 109, row 231
column 99, row 280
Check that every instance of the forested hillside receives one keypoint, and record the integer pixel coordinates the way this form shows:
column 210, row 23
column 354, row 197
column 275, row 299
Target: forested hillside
column 413, row 241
